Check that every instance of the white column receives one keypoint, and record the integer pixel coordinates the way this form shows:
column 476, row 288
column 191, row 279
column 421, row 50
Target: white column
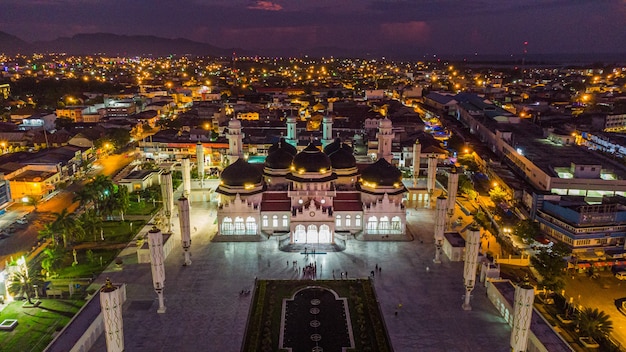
column 417, row 152
column 440, row 224
column 472, row 243
column 186, row 177
column 235, row 140
column 185, row 228
column 432, row 174
column 292, row 138
column 111, row 306
column 385, row 137
column 167, row 194
column 327, row 130
column 200, row 158
column 453, row 187
column 523, row 310
column 155, row 243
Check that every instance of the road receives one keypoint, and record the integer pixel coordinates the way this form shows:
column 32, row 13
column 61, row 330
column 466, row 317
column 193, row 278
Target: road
column 25, row 238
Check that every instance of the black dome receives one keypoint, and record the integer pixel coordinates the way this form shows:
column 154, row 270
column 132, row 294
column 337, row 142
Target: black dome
column 382, row 173
column 282, row 144
column 281, row 158
column 343, row 159
column 239, row 173
column 311, row 159
column 335, row 146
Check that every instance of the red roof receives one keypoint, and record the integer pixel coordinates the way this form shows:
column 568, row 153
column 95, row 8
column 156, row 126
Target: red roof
column 278, row 201
column 348, row 201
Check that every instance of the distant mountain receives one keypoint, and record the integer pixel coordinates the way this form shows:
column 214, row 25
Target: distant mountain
column 11, row 45
column 113, row 44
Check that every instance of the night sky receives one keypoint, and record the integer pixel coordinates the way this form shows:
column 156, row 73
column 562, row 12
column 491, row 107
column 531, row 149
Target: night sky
column 395, row 26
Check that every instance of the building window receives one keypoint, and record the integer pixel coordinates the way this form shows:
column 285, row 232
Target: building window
column 275, row 221
column 357, row 221
column 265, row 221
column 338, row 221
column 383, row 225
column 348, row 221
column 227, row 226
column 250, row 226
column 396, row 224
column 240, row 227
column 372, row 224
column 285, row 221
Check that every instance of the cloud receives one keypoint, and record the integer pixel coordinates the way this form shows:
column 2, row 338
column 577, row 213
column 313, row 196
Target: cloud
column 413, row 31
column 265, row 6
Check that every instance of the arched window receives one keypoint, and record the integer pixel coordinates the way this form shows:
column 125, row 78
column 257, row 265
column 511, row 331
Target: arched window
column 250, row 226
column 240, row 227
column 227, row 226
column 348, row 221
column 275, row 221
column 285, row 221
column 324, row 236
column 357, row 221
column 396, row 224
column 383, row 225
column 372, row 224
column 266, row 222
column 338, row 221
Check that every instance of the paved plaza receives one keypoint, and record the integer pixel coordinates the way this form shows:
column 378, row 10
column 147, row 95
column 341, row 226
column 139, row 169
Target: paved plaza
column 205, row 311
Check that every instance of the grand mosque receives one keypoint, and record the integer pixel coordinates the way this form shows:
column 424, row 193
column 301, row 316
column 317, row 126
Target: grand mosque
column 319, row 194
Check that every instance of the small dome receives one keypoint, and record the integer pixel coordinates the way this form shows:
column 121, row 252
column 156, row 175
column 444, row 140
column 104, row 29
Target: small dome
column 385, row 123
column 382, row 173
column 280, row 158
column 311, row 159
column 343, row 159
column 240, row 173
column 335, row 146
column 234, row 123
column 282, row 144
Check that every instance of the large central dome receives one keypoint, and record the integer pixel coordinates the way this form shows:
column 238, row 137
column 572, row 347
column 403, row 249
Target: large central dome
column 381, row 173
column 311, row 159
column 241, row 173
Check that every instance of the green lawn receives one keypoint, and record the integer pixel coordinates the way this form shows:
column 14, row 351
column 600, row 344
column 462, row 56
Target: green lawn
column 36, row 325
column 141, row 208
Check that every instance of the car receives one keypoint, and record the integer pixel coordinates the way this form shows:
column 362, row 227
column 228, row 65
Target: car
column 21, row 221
column 620, row 275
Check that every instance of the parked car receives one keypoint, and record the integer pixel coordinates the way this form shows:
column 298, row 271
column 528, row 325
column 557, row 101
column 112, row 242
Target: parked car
column 22, row 221
column 620, row 275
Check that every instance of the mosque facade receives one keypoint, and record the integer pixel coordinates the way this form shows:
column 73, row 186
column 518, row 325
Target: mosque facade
column 317, row 195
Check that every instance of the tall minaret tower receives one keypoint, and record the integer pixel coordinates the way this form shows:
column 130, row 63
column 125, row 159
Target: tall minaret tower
column 327, row 130
column 291, row 131
column 385, row 138
column 235, row 141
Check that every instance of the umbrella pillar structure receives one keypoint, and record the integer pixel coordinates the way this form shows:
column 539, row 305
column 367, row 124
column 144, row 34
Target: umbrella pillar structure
column 472, row 244
column 186, row 163
column 167, row 194
column 185, row 228
column 440, row 224
column 200, row 157
column 453, row 187
column 431, row 177
column 111, row 305
column 417, row 152
column 157, row 257
column 522, row 314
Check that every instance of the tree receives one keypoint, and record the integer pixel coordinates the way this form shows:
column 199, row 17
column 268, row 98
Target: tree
column 594, row 323
column 22, row 284
column 498, row 195
column 52, row 259
column 122, row 200
column 90, row 222
column 469, row 162
column 68, row 226
column 527, row 229
column 551, row 266
column 467, row 187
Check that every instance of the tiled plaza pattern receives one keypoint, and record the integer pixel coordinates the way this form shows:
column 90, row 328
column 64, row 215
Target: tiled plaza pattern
column 205, row 311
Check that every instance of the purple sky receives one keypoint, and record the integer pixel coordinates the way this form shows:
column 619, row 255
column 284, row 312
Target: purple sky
column 433, row 26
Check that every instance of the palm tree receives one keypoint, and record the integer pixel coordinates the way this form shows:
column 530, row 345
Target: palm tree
column 53, row 257
column 594, row 323
column 122, row 200
column 68, row 226
column 84, row 196
column 90, row 222
column 21, row 284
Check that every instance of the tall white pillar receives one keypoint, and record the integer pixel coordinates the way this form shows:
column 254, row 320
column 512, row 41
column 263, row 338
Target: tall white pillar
column 523, row 311
column 185, row 227
column 111, row 306
column 472, row 244
column 417, row 152
column 167, row 194
column 200, row 158
column 453, row 187
column 385, row 137
column 327, row 130
column 186, row 177
column 431, row 177
column 292, row 138
column 440, row 225
column 235, row 140
column 157, row 257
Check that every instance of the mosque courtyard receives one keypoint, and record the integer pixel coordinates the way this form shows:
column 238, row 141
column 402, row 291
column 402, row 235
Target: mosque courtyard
column 208, row 305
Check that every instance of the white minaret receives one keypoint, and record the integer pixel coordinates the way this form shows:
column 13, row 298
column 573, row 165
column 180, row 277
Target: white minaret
column 186, row 177
column 431, row 177
column 453, row 187
column 523, row 311
column 472, row 243
column 385, row 137
column 111, row 306
column 292, row 138
column 327, row 130
column 167, row 194
column 417, row 152
column 235, row 140
column 185, row 227
column 200, row 158
column 440, row 225
column 155, row 243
